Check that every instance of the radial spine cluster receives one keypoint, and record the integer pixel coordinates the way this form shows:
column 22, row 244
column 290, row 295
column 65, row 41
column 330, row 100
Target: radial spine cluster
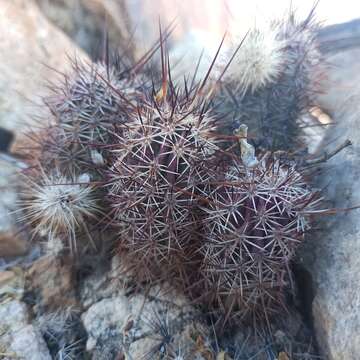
column 259, row 62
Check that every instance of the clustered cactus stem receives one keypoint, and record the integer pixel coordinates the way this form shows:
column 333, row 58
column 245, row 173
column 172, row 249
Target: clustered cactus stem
column 272, row 82
column 143, row 154
column 255, row 219
column 156, row 161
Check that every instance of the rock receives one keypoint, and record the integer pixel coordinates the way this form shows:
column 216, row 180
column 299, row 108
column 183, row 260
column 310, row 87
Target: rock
column 31, row 48
column 19, row 339
column 341, row 81
column 131, row 324
column 85, row 22
column 331, row 256
column 133, row 26
column 191, row 341
column 28, row 344
column 13, row 315
column 340, row 36
column 11, row 284
column 117, row 320
column 32, row 52
column 50, row 294
column 12, row 244
column 143, row 347
column 6, row 138
column 12, row 241
column 100, row 284
column 50, row 284
column 6, row 277
column 63, row 333
column 104, row 321
column 289, row 335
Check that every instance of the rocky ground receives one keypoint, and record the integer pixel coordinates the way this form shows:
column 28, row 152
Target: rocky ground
column 51, row 308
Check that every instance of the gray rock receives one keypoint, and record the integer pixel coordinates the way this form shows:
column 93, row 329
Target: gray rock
column 341, row 82
column 12, row 243
column 332, row 255
column 130, row 324
column 100, row 285
column 31, row 48
column 105, row 319
column 28, row 344
column 13, row 316
column 11, row 284
column 85, row 21
column 19, row 339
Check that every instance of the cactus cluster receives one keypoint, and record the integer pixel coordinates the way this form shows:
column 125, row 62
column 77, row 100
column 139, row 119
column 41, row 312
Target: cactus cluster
column 59, row 193
column 145, row 157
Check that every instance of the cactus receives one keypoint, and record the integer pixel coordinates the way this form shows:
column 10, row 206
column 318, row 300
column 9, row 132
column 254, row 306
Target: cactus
column 255, row 219
column 184, row 209
column 156, row 163
column 85, row 109
column 58, row 206
column 59, row 196
column 259, row 61
column 272, row 83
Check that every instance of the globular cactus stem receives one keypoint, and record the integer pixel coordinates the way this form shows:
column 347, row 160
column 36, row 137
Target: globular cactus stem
column 156, row 164
column 272, row 83
column 255, row 219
